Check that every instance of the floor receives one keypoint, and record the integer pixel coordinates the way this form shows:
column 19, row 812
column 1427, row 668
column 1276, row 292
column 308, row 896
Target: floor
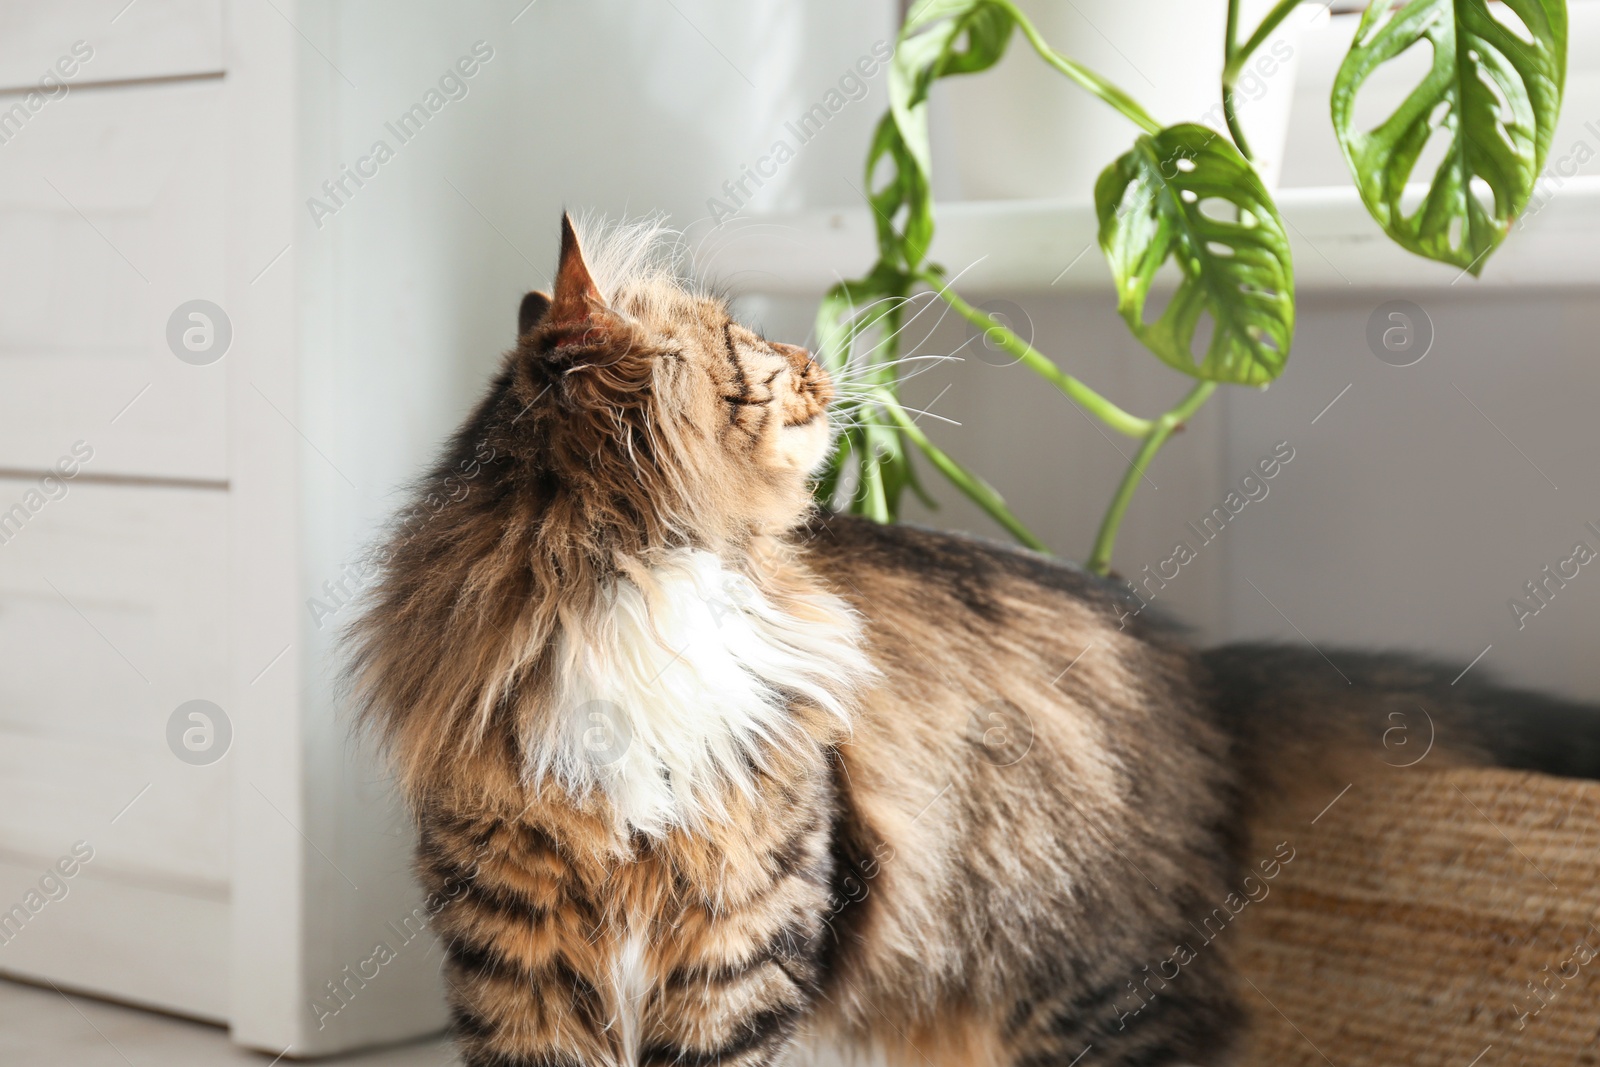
column 42, row 1028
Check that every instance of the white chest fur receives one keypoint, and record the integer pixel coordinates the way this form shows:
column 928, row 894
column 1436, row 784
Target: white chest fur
column 683, row 680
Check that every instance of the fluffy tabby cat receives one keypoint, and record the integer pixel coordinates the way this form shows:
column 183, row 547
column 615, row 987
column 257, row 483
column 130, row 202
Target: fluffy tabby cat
column 706, row 777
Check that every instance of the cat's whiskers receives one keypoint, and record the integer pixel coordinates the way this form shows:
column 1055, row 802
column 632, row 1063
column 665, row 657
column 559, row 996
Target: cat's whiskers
column 932, row 295
column 853, row 396
column 856, row 316
column 845, row 384
column 858, row 356
column 855, row 417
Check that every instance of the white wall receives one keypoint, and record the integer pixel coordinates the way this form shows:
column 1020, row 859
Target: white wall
column 1410, row 518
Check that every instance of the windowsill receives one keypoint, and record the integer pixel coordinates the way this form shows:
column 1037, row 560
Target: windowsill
column 1039, row 245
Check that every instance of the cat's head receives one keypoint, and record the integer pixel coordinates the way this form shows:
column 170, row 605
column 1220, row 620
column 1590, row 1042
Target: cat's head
column 650, row 410
column 637, row 445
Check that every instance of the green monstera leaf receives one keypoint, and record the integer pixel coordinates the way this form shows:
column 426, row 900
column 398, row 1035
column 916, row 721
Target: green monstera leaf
column 1186, row 194
column 1493, row 92
column 940, row 38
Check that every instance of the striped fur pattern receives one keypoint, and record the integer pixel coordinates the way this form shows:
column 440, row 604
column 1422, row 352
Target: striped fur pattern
column 697, row 948
column 707, row 779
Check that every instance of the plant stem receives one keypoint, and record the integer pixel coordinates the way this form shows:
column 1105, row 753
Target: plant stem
column 980, row 492
column 874, row 501
column 1081, row 74
column 1235, row 56
column 1100, row 556
column 1036, row 361
column 1232, row 120
column 1229, row 75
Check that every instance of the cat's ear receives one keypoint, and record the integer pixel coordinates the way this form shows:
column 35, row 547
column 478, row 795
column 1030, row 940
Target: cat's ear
column 577, row 303
column 534, row 305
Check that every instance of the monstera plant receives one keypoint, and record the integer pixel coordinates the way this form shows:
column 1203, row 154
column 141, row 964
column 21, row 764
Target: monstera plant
column 1188, row 195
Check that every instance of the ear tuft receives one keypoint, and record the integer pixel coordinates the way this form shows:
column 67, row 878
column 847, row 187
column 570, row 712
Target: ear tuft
column 533, row 308
column 576, row 298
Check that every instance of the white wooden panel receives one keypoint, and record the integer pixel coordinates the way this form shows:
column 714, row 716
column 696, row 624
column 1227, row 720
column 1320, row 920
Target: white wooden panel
column 144, row 39
column 171, row 819
column 112, row 614
column 111, row 215
column 144, row 946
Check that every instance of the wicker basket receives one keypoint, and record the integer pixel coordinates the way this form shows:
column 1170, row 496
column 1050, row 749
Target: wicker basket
column 1440, row 917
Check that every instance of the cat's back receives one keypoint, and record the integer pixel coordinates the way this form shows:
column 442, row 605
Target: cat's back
column 965, row 628
column 906, row 562
column 1022, row 719
column 938, row 589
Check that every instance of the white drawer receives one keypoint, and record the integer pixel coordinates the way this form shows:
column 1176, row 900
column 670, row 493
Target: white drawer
column 111, row 216
column 112, row 605
column 144, row 39
column 173, row 837
column 131, row 943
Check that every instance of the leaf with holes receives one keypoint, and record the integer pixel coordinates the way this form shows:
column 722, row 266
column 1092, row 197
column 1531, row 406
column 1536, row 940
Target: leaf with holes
column 1493, row 93
column 1161, row 201
column 940, row 38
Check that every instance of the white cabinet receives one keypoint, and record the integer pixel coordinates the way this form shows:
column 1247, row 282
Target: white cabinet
column 114, row 504
column 128, row 40
column 170, row 166
column 111, row 616
column 113, row 213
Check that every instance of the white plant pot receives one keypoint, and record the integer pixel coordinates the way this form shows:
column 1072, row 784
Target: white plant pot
column 1023, row 130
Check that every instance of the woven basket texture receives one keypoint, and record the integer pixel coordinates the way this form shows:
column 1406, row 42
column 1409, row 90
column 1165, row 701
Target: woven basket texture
column 1438, row 918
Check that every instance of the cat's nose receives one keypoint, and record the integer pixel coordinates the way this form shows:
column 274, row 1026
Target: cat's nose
column 810, row 379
